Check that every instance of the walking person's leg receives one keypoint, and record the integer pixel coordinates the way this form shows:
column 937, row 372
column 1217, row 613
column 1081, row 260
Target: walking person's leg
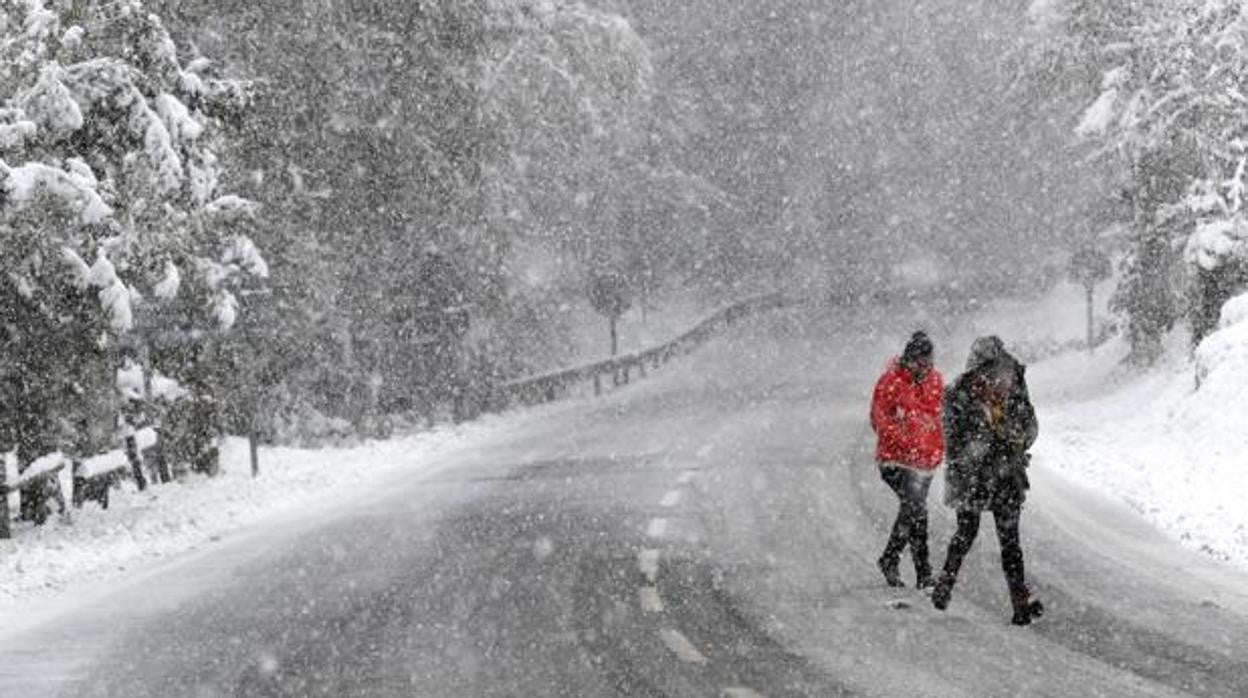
column 897, row 479
column 1006, row 519
column 1025, row 606
column 916, row 502
column 959, row 546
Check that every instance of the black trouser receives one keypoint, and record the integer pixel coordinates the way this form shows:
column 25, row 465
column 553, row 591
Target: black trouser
column 1006, row 516
column 910, row 526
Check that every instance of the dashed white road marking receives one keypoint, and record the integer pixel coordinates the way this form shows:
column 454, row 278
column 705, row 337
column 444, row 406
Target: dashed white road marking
column 650, row 600
column 686, row 477
column 741, row 692
column 657, row 528
column 681, row 647
column 648, row 562
column 671, row 499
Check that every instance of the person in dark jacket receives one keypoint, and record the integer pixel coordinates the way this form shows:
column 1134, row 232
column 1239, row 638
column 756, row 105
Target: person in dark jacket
column 905, row 414
column 989, row 424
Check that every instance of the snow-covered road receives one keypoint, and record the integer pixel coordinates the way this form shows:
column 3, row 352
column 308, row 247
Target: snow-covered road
column 711, row 531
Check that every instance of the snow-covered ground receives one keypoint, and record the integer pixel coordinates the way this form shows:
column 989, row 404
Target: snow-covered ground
column 1176, row 454
column 141, row 528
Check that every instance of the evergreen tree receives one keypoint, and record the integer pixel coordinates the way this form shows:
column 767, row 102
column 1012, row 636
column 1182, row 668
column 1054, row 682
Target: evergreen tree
column 112, row 217
column 1168, row 80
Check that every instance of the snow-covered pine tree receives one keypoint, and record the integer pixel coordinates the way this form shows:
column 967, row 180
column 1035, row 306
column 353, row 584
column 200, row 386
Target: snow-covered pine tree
column 110, row 205
column 1169, row 107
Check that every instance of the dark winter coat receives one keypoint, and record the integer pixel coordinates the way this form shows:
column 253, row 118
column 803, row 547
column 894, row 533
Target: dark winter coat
column 986, row 464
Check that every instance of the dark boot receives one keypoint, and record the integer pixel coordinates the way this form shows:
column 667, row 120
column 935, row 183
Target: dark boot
column 942, row 592
column 889, row 567
column 1026, row 607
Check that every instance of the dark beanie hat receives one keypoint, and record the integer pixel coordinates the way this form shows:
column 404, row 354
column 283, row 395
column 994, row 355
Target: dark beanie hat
column 919, row 347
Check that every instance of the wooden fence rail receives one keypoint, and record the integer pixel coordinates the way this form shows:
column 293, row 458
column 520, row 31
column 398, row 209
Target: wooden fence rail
column 548, row 387
column 91, row 478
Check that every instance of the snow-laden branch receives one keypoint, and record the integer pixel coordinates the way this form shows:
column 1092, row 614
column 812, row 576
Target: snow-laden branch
column 115, row 297
column 242, row 252
column 25, row 184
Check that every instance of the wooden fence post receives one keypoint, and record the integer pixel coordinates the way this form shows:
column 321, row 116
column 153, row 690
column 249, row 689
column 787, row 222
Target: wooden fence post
column 5, row 533
column 253, row 445
column 136, row 461
column 78, row 482
column 30, row 500
column 162, row 461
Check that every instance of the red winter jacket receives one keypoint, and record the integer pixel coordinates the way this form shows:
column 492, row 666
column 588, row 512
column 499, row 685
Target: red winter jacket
column 906, row 418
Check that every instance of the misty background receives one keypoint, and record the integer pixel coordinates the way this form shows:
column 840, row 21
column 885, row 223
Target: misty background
column 447, row 194
column 703, row 150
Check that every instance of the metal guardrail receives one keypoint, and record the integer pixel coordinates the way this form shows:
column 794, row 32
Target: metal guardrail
column 548, row 387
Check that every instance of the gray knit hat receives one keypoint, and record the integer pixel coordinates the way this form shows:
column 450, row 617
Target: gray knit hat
column 984, row 351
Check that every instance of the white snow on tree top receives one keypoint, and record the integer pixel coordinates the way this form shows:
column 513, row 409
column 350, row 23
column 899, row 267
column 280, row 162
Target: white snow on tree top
column 230, row 208
column 50, row 105
column 61, row 84
column 167, row 287
column 1098, row 117
column 243, row 252
column 15, row 135
column 1217, row 241
column 225, row 305
column 130, row 381
column 166, row 388
column 177, row 118
column 26, row 183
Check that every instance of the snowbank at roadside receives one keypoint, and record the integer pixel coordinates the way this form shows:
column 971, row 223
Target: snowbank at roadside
column 141, row 527
column 1176, row 454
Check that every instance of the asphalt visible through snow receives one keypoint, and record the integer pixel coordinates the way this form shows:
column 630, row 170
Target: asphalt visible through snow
column 711, row 531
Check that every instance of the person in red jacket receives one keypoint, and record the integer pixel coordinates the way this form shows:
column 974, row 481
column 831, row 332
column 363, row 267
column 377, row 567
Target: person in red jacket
column 906, row 417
